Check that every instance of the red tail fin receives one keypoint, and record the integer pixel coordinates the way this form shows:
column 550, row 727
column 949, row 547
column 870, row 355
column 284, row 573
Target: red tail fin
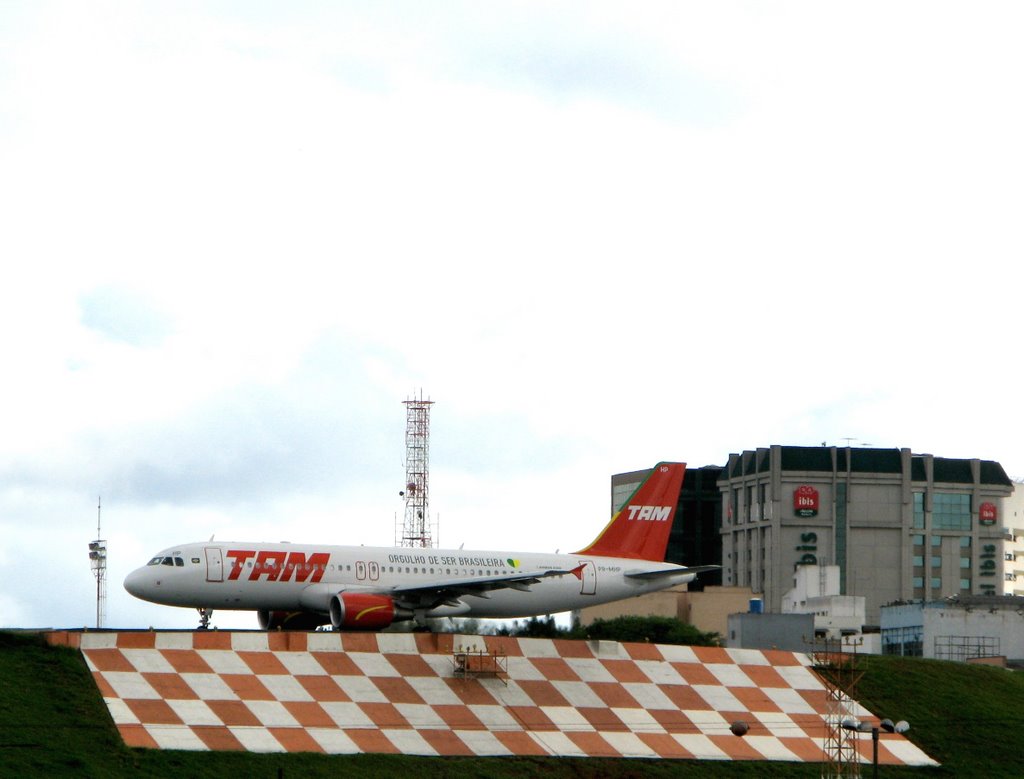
column 640, row 528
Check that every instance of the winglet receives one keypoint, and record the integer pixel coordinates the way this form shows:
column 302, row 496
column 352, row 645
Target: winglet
column 640, row 529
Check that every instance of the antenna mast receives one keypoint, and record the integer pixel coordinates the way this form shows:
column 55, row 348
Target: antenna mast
column 98, row 562
column 416, row 528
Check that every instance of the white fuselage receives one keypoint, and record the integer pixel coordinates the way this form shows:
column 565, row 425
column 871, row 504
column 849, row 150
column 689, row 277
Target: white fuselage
column 293, row 577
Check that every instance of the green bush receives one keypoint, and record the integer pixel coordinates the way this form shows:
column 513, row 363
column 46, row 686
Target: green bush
column 656, row 630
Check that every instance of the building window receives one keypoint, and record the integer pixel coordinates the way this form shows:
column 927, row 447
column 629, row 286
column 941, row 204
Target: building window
column 965, row 584
column 919, row 509
column 936, row 582
column 965, row 562
column 903, row 641
column 965, row 542
column 919, row 581
column 918, row 560
column 918, row 539
column 936, row 561
column 951, row 511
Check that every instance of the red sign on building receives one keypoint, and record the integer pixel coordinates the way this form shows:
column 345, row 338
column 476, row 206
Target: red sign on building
column 987, row 513
column 805, row 501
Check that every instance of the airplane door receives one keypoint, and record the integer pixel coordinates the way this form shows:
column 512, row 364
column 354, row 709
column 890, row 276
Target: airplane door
column 214, row 564
column 588, row 580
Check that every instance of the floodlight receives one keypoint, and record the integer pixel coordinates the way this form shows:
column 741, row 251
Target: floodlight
column 739, row 728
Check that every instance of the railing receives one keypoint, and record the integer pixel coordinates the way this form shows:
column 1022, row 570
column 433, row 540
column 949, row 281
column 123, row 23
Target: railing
column 479, row 662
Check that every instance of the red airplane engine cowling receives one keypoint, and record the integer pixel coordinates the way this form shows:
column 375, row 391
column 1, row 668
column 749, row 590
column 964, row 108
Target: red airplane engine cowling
column 361, row 611
column 290, row 620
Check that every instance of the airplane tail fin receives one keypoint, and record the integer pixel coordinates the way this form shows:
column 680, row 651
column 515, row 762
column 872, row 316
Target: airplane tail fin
column 640, row 528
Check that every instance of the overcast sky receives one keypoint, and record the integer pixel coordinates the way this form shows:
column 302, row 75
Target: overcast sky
column 237, row 235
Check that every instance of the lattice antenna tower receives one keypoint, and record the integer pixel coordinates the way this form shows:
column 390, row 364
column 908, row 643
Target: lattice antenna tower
column 98, row 563
column 416, row 529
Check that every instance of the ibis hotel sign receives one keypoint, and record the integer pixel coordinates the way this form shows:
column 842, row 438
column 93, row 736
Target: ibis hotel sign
column 987, row 513
column 805, row 501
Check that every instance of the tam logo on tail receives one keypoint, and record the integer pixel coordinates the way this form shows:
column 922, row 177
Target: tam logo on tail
column 640, row 529
column 651, row 513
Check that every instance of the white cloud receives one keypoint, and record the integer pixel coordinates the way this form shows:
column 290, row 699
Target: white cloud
column 237, row 238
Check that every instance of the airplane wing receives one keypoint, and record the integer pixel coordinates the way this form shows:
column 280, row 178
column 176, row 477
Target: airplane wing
column 448, row 592
column 675, row 570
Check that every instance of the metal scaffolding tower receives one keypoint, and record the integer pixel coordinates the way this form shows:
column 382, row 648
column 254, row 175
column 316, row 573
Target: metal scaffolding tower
column 98, row 563
column 416, row 529
column 840, row 671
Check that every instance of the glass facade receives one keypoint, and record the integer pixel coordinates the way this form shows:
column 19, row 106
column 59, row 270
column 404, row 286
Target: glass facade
column 951, row 511
column 918, row 509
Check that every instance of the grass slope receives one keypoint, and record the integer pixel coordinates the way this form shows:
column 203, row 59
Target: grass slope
column 53, row 723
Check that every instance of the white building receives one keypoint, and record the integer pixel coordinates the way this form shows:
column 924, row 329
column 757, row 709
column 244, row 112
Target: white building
column 960, row 628
column 816, row 591
column 1013, row 545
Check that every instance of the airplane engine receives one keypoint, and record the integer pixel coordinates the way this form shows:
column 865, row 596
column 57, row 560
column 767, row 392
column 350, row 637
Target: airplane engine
column 364, row 611
column 290, row 620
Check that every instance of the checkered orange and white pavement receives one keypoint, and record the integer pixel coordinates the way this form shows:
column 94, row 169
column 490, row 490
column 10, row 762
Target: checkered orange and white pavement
column 400, row 693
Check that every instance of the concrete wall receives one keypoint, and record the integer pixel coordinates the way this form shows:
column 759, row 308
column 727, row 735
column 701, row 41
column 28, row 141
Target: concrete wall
column 788, row 632
column 708, row 611
column 975, row 622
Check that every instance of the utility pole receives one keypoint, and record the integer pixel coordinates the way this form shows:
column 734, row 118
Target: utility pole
column 98, row 562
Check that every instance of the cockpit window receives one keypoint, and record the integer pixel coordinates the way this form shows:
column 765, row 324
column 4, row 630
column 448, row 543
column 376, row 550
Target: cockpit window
column 167, row 561
column 155, row 561
column 179, row 562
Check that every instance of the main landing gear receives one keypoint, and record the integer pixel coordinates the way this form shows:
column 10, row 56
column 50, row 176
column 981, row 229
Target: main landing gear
column 204, row 618
column 420, row 625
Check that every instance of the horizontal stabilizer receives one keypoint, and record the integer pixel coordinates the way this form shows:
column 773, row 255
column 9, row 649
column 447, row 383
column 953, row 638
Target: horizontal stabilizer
column 675, row 570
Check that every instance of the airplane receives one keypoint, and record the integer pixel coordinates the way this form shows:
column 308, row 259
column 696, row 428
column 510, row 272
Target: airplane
column 304, row 587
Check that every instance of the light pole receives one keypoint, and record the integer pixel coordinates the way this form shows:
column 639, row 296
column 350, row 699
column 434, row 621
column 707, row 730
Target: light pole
column 887, row 725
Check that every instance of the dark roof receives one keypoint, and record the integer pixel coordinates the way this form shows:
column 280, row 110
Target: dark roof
column 875, row 460
column 864, row 460
column 807, row 458
column 953, row 471
column 993, row 473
